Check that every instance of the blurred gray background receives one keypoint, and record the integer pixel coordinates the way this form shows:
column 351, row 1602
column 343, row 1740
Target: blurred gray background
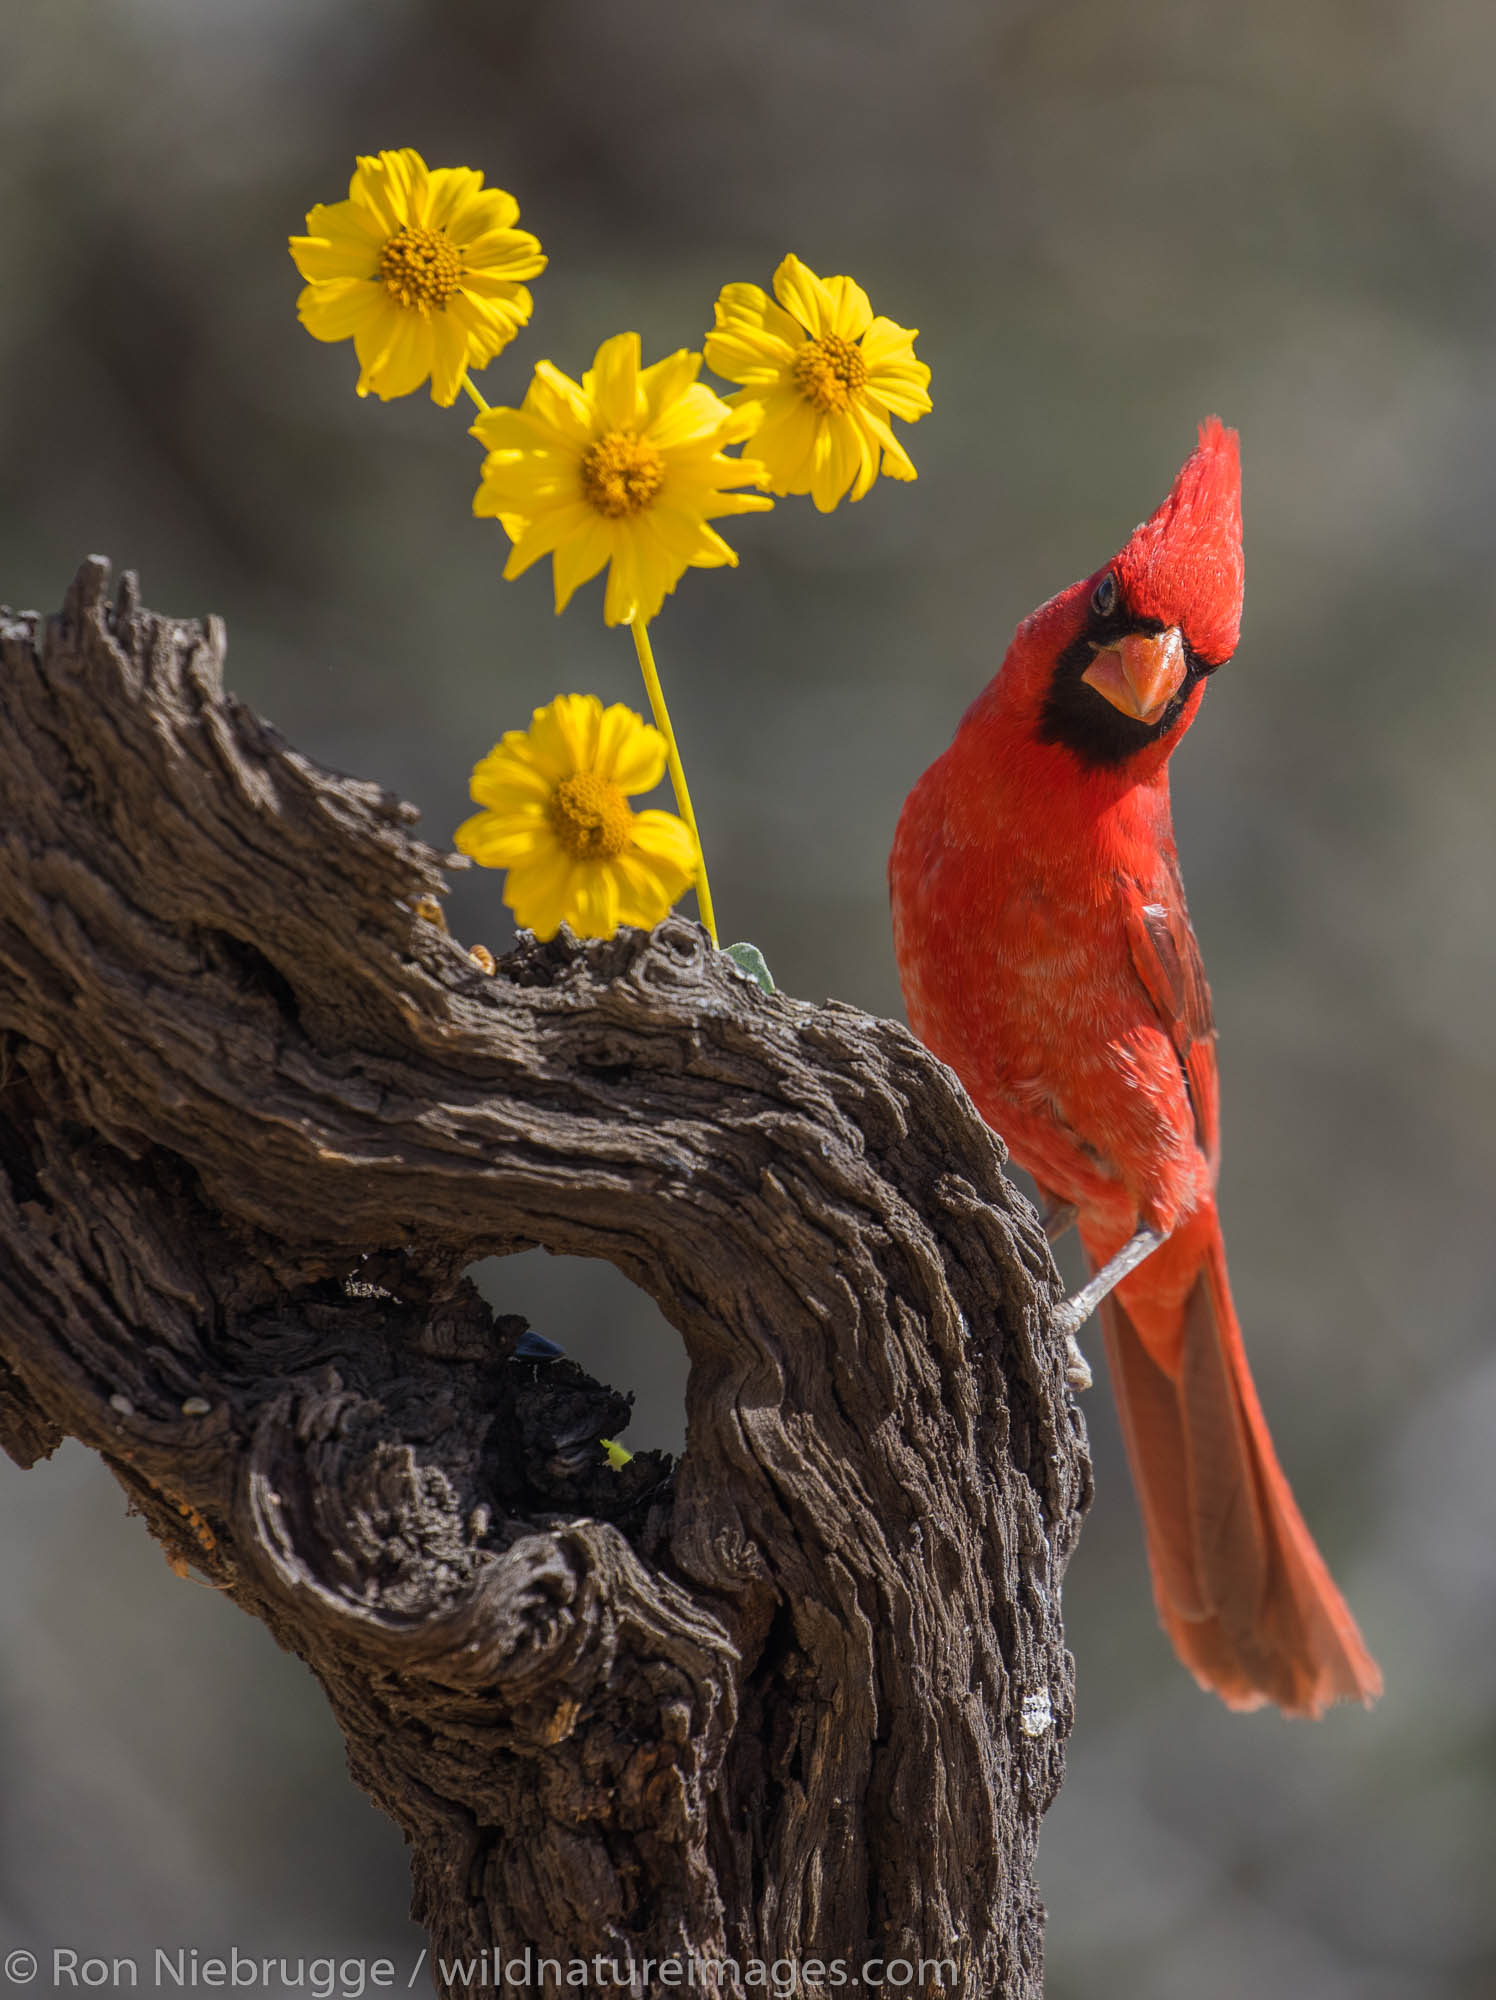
column 1107, row 220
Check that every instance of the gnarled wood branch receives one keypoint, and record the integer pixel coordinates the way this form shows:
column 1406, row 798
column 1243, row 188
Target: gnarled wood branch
column 801, row 1695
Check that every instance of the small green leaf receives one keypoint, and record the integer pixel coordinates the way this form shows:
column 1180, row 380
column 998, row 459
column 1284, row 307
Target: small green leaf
column 748, row 958
column 618, row 1458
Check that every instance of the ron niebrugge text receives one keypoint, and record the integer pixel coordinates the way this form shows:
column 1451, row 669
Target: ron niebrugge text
column 328, row 1978
column 188, row 1969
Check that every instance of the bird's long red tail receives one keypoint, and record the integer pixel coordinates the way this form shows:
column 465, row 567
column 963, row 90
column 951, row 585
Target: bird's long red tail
column 1241, row 1589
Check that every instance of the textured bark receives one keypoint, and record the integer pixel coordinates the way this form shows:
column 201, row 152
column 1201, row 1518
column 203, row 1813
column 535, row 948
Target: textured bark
column 803, row 1694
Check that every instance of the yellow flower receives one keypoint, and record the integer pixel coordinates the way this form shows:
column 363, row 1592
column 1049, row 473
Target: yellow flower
column 825, row 377
column 625, row 468
column 421, row 267
column 556, row 815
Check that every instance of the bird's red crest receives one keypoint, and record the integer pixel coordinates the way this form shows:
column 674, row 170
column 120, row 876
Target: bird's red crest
column 1184, row 564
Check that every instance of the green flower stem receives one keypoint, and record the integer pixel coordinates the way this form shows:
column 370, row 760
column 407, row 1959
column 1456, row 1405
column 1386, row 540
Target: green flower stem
column 677, row 774
column 482, row 405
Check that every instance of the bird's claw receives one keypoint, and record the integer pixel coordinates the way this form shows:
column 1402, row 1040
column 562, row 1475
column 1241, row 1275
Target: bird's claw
column 1078, row 1374
column 1071, row 1315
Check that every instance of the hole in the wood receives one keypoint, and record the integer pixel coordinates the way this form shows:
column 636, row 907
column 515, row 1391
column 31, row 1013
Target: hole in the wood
column 15, row 1149
column 254, row 971
column 608, row 1325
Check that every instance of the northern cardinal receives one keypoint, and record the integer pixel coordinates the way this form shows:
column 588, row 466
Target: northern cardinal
column 1047, row 956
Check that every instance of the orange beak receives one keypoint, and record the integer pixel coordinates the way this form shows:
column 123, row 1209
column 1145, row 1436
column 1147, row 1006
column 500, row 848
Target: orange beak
column 1141, row 673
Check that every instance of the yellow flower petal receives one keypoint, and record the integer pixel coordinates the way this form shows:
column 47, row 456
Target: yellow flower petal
column 508, row 780
column 546, row 533
column 695, row 416
column 688, row 538
column 786, row 443
column 894, row 377
column 341, row 242
column 373, row 340
column 594, row 902
column 556, row 400
column 517, row 431
column 389, row 183
column 630, row 753
column 451, row 351
column 496, row 263
column 754, row 340
column 666, row 387
column 804, row 296
column 886, row 344
column 645, row 891
column 666, row 841
column 740, row 503
column 899, row 398
column 493, row 212
column 538, row 894
column 346, row 221
column 340, row 310
column 896, row 461
column 613, row 382
column 579, row 556
column 621, row 597
column 849, row 314
column 565, row 734
column 452, row 193
column 830, row 473
column 489, row 324
column 737, row 358
column 522, row 489
column 406, row 360
column 867, row 461
column 496, row 841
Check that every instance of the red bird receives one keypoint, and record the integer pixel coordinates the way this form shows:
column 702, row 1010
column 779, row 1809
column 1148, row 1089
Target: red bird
column 1047, row 956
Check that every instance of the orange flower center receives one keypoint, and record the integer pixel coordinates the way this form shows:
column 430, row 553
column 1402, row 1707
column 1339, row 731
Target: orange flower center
column 828, row 372
column 621, row 474
column 590, row 817
column 421, row 268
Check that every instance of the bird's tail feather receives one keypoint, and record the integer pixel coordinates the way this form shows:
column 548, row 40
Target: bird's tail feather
column 1241, row 1589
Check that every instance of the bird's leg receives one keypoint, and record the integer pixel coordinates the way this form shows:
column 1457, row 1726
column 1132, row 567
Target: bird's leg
column 1079, row 1307
column 1055, row 1217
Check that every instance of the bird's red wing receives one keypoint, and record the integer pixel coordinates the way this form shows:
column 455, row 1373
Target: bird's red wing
column 1167, row 961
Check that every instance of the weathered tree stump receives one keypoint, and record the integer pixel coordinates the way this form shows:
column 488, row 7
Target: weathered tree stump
column 800, row 1696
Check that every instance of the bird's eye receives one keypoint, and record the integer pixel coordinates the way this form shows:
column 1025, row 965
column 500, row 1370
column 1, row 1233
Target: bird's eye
column 1104, row 596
